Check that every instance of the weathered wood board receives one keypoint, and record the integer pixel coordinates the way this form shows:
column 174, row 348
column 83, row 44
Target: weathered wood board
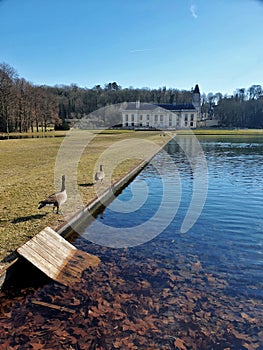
column 56, row 257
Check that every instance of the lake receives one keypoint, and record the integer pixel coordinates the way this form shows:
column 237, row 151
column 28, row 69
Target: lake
column 181, row 260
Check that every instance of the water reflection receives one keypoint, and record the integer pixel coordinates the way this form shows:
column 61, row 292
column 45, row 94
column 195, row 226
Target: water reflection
column 143, row 211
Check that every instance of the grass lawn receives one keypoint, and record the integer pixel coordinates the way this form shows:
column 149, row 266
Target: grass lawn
column 27, row 177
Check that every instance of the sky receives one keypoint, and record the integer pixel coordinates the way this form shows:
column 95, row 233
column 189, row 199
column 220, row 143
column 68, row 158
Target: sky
column 217, row 44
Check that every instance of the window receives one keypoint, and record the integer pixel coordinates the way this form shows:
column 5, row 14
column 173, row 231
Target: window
column 161, row 118
column 156, row 117
column 192, row 117
column 170, row 117
column 132, row 117
column 185, row 123
column 126, row 117
column 191, row 124
column 170, row 123
column 140, row 117
column 186, row 117
column 148, row 117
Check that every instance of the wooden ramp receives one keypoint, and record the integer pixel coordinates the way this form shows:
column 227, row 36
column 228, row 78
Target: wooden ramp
column 56, row 257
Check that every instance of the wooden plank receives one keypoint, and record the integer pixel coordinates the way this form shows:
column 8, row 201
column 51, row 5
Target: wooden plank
column 45, row 249
column 52, row 306
column 48, row 236
column 55, row 235
column 43, row 253
column 40, row 252
column 2, row 279
column 75, row 265
column 40, row 263
column 56, row 257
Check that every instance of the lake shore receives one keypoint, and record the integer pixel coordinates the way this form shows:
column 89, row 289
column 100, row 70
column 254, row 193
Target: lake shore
column 27, row 177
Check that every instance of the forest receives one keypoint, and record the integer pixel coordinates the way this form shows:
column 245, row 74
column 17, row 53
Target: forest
column 28, row 107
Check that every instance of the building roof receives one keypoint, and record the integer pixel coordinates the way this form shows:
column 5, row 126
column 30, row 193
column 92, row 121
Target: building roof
column 196, row 90
column 140, row 106
column 176, row 107
column 168, row 106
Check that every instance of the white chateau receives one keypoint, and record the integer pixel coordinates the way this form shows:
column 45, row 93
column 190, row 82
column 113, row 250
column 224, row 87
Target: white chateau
column 163, row 116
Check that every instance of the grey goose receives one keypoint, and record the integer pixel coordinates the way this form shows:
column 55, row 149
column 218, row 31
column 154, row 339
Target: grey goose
column 55, row 199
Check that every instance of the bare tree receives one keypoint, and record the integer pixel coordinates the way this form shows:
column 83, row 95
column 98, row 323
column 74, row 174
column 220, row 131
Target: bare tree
column 7, row 96
column 255, row 91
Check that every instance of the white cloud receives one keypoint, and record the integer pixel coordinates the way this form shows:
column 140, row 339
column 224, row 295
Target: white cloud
column 193, row 11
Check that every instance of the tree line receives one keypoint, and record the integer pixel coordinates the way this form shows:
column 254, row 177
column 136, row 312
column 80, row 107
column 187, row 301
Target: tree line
column 25, row 106
column 243, row 109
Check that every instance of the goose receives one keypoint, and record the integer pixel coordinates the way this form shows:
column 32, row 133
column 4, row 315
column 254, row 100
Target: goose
column 55, row 199
column 99, row 176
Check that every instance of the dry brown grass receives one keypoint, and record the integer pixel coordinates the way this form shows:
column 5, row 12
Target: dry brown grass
column 27, row 176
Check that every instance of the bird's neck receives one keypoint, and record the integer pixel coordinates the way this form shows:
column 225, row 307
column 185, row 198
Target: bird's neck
column 63, row 186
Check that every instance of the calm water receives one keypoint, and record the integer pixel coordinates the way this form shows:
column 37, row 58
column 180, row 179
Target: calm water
column 220, row 259
column 227, row 237
column 201, row 289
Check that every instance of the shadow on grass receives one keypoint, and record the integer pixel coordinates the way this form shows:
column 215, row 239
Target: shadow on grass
column 28, row 218
column 87, row 185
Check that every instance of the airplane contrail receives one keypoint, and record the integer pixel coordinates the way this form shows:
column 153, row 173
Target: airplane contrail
column 140, row 50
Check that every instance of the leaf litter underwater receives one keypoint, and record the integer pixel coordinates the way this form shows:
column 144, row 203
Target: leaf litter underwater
column 177, row 291
column 134, row 302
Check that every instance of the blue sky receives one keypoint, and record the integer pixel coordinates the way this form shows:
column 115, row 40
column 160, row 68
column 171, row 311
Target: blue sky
column 141, row 43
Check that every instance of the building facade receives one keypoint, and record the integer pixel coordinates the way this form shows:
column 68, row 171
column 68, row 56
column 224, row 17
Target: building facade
column 163, row 116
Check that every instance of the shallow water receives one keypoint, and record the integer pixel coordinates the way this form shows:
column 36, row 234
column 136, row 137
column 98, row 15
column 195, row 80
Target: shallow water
column 157, row 287
column 227, row 237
